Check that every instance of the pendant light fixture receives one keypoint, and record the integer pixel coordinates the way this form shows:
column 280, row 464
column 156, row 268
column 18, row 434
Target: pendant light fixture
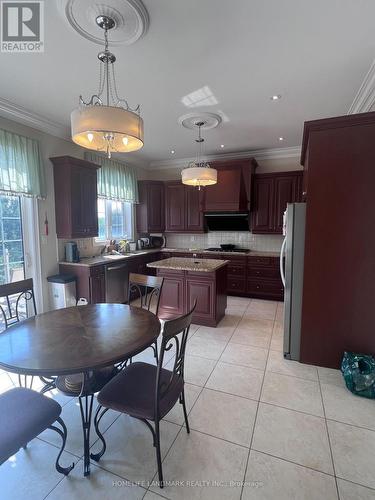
column 199, row 173
column 106, row 122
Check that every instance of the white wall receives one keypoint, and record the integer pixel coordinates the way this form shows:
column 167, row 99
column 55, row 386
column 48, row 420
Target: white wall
column 50, row 146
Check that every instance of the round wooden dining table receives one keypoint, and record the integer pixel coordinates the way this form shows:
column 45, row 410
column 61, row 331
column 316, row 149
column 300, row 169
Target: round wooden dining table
column 77, row 340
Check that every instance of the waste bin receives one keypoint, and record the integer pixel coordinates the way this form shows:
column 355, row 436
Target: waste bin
column 62, row 290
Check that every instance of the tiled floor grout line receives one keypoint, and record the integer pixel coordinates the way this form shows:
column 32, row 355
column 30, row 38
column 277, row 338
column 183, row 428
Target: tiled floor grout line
column 78, row 457
column 255, row 420
column 295, row 463
column 350, row 425
column 328, row 437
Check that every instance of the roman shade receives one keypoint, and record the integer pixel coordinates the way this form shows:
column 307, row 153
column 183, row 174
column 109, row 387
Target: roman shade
column 21, row 169
column 116, row 181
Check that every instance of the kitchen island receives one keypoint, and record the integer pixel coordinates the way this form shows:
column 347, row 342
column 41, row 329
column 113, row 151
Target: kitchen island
column 187, row 280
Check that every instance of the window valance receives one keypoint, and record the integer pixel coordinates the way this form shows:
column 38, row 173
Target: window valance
column 21, row 169
column 116, row 181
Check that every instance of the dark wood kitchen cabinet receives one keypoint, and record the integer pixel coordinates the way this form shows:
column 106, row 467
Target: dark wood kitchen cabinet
column 233, row 189
column 271, row 194
column 172, row 300
column 97, row 285
column 339, row 264
column 90, row 281
column 76, row 197
column 182, row 288
column 150, row 211
column 183, row 208
column 263, row 278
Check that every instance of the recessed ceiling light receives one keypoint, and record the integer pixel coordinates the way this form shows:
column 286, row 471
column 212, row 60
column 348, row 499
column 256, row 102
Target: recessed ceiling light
column 172, row 152
column 281, row 138
column 275, row 97
column 221, row 145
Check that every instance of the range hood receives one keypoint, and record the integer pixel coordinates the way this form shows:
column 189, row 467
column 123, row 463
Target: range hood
column 227, row 221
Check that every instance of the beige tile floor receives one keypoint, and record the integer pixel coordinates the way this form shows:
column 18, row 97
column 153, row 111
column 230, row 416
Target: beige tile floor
column 262, row 428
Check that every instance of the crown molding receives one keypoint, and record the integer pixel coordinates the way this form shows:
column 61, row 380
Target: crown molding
column 22, row 115
column 258, row 154
column 365, row 97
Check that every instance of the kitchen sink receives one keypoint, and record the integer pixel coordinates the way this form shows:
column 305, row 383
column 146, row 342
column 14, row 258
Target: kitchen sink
column 113, row 257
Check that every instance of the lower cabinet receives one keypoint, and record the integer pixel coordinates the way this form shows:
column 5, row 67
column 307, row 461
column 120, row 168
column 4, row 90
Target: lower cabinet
column 97, row 285
column 236, row 275
column 91, row 280
column 263, row 278
column 182, row 288
column 255, row 276
column 172, row 300
column 201, row 290
column 90, row 284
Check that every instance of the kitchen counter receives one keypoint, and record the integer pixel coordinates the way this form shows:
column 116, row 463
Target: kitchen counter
column 252, row 253
column 187, row 281
column 186, row 264
column 107, row 259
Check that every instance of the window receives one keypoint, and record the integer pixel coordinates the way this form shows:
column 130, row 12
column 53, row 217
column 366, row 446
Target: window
column 115, row 220
column 11, row 242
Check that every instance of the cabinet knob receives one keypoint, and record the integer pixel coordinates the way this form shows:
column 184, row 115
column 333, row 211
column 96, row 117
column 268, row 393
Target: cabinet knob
column 258, row 286
column 304, row 193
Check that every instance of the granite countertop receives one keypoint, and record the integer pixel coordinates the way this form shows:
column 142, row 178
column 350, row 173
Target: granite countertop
column 186, row 264
column 107, row 259
column 252, row 253
column 100, row 260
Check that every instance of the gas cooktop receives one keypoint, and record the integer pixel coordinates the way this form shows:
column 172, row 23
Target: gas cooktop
column 241, row 250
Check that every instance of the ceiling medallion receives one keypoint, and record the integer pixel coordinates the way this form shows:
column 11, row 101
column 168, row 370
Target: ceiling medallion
column 106, row 122
column 209, row 120
column 130, row 17
column 198, row 172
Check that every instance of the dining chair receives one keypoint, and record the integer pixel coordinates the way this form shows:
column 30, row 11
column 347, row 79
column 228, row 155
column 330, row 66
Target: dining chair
column 17, row 302
column 24, row 414
column 13, row 309
column 148, row 392
column 144, row 291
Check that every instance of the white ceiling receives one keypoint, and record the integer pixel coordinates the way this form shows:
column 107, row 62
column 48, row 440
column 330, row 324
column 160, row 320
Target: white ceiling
column 240, row 52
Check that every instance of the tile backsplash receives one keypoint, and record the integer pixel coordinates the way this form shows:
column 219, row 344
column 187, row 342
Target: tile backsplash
column 86, row 246
column 244, row 239
column 258, row 242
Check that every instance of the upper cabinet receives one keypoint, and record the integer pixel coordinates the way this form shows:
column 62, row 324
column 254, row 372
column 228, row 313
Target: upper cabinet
column 76, row 197
column 233, row 189
column 183, row 208
column 271, row 194
column 150, row 212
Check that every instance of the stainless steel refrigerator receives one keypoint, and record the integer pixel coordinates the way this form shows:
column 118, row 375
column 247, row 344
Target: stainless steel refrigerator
column 291, row 269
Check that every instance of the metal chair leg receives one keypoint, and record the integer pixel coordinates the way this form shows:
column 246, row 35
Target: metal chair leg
column 97, row 419
column 26, row 382
column 86, row 413
column 158, row 454
column 182, row 401
column 63, row 434
column 154, row 347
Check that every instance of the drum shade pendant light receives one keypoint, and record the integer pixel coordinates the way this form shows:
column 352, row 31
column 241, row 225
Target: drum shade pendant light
column 111, row 126
column 199, row 173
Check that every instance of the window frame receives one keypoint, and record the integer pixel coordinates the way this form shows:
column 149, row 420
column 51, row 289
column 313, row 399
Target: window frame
column 128, row 221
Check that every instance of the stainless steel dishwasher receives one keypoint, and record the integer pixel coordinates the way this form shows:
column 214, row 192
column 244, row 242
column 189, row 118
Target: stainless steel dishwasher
column 116, row 283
